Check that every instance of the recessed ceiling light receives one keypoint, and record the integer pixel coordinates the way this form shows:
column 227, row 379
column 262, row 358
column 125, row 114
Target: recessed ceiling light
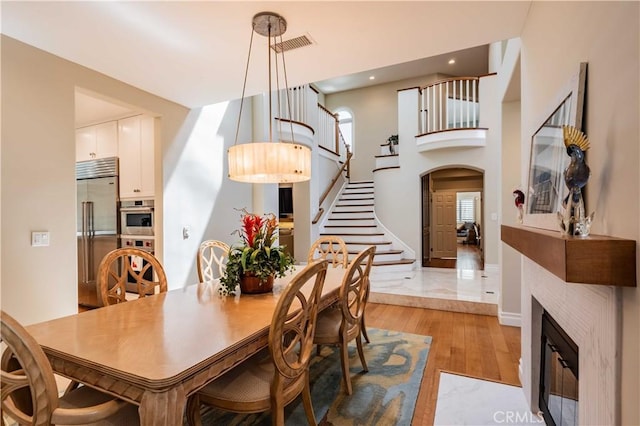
column 372, row 77
column 452, row 61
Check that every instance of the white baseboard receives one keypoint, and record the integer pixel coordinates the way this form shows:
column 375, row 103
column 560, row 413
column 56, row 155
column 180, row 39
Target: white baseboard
column 509, row 318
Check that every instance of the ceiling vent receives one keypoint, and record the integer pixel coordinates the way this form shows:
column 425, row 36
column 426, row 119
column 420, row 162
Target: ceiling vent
column 291, row 44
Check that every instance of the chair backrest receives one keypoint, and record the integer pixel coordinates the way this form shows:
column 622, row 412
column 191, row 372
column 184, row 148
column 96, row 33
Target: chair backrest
column 29, row 391
column 291, row 336
column 355, row 289
column 129, row 265
column 331, row 248
column 211, row 260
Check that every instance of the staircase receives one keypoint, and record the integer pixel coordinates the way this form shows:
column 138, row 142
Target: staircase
column 353, row 220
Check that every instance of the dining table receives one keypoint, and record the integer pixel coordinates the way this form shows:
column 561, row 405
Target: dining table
column 158, row 350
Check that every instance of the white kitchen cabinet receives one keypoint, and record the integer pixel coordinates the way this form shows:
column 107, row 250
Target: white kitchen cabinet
column 98, row 141
column 136, row 147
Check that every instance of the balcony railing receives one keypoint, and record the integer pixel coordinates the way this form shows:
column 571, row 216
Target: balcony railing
column 449, row 104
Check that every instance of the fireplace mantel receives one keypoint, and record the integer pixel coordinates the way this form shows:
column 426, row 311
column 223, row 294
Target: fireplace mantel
column 595, row 259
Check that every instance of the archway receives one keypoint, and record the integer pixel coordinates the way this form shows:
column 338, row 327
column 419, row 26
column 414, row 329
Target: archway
column 452, row 219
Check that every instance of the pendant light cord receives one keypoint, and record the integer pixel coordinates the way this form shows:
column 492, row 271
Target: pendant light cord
column 244, row 86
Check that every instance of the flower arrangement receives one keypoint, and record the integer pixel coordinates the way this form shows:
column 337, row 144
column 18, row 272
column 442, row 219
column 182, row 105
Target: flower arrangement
column 256, row 254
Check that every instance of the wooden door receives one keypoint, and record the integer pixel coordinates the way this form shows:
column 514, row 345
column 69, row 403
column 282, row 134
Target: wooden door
column 443, row 220
column 426, row 208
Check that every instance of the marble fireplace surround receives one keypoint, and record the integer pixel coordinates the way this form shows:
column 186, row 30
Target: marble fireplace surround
column 590, row 315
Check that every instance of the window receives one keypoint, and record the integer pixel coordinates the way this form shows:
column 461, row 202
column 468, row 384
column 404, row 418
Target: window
column 465, row 209
column 345, row 123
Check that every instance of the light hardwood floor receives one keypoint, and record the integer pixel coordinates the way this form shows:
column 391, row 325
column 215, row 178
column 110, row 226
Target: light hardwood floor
column 469, row 344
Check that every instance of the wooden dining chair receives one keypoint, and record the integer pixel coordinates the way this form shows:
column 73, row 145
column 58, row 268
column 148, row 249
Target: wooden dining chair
column 340, row 326
column 129, row 265
column 30, row 393
column 331, row 248
column 211, row 259
column 335, row 249
column 275, row 376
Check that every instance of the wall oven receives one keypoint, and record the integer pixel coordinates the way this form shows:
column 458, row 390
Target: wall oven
column 144, row 243
column 136, row 217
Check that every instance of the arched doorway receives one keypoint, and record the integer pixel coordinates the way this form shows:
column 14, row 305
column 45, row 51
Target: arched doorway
column 452, row 219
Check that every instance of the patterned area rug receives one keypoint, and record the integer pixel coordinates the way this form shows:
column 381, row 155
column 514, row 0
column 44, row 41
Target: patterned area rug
column 386, row 395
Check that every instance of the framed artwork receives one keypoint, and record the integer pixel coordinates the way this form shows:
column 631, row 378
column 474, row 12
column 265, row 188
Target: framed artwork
column 546, row 188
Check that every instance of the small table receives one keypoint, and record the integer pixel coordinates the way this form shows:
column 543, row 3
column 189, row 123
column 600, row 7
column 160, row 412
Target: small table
column 156, row 351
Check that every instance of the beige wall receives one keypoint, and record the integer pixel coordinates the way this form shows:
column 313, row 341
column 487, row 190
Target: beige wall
column 555, row 39
column 38, row 179
column 375, row 118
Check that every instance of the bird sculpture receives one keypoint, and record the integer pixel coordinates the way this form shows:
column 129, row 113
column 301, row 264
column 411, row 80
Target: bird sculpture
column 575, row 221
column 577, row 172
column 519, row 201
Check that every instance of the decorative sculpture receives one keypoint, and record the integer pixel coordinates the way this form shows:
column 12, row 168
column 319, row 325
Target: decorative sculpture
column 574, row 220
column 519, row 201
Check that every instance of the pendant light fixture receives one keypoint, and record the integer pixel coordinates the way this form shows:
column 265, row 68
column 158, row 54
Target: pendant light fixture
column 272, row 161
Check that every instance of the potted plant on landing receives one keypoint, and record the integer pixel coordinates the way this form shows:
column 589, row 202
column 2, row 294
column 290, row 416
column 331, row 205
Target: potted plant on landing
column 256, row 260
column 393, row 141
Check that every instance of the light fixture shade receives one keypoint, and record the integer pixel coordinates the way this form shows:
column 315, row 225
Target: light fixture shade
column 269, row 162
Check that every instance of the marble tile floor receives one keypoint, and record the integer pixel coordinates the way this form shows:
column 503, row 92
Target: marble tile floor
column 465, row 400
column 449, row 289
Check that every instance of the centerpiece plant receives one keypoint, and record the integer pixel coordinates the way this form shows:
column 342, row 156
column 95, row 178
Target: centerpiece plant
column 256, row 257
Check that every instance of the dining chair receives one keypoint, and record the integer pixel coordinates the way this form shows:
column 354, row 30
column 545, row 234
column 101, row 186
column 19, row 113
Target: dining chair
column 212, row 255
column 340, row 326
column 30, row 393
column 275, row 376
column 331, row 248
column 124, row 266
column 335, row 249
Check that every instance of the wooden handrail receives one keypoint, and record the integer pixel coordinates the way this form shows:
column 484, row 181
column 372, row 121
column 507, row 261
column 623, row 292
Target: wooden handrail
column 318, row 216
column 449, row 80
column 334, row 180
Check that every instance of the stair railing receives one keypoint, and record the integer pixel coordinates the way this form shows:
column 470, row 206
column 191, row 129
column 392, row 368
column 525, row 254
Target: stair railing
column 449, row 104
column 345, row 166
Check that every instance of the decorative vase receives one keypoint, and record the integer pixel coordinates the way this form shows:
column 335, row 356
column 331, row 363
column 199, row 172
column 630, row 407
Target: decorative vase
column 251, row 284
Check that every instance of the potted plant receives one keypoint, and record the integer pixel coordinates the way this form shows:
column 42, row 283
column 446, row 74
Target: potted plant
column 393, row 141
column 254, row 262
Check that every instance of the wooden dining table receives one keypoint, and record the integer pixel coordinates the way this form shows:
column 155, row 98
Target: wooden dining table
column 157, row 351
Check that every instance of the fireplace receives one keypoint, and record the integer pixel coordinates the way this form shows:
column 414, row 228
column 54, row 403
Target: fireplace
column 558, row 391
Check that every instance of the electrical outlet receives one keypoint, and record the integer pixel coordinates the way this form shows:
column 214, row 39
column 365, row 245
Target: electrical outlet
column 39, row 239
column 185, row 232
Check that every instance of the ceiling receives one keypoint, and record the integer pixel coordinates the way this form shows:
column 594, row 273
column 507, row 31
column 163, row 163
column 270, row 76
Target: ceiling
column 194, row 52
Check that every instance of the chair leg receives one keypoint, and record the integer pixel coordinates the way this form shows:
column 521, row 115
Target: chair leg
column 193, row 411
column 344, row 360
column 361, row 353
column 363, row 328
column 277, row 414
column 306, row 400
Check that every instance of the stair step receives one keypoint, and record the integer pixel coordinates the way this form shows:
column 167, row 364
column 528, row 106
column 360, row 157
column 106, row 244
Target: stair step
column 350, row 218
column 356, row 199
column 357, row 192
column 355, row 205
column 362, row 182
column 352, row 234
column 393, row 262
column 379, row 253
column 351, row 226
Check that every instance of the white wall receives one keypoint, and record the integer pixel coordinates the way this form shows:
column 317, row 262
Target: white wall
column 197, row 191
column 400, row 210
column 555, row 39
column 375, row 118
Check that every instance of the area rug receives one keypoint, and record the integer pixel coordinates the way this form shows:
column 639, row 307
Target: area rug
column 464, row 400
column 386, row 395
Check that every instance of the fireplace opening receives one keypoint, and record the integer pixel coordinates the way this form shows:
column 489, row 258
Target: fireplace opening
column 558, row 375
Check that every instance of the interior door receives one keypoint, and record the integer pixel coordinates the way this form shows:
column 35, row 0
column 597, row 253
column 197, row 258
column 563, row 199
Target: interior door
column 426, row 208
column 443, row 220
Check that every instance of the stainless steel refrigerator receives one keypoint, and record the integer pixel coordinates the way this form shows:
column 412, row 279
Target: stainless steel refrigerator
column 97, row 221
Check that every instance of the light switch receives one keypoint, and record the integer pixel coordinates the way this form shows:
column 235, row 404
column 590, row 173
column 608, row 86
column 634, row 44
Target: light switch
column 39, row 239
column 494, row 216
